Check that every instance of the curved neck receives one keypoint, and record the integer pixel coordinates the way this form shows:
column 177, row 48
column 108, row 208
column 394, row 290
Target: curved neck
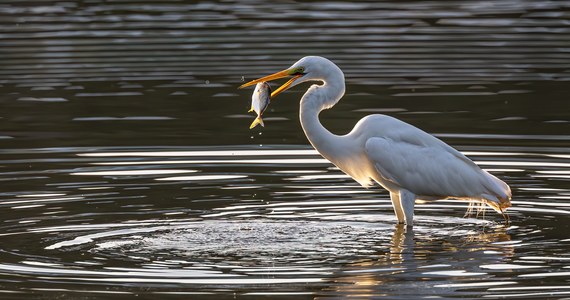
column 316, row 99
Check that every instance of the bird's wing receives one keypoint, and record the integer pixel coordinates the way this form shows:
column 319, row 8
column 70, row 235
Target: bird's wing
column 393, row 129
column 425, row 167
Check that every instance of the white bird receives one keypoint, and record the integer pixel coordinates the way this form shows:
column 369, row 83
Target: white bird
column 408, row 162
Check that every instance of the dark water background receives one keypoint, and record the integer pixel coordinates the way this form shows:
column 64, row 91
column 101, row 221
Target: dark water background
column 127, row 167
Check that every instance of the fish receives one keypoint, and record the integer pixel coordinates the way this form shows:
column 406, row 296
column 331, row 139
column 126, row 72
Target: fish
column 260, row 102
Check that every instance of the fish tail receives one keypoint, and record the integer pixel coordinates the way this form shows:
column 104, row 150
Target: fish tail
column 257, row 120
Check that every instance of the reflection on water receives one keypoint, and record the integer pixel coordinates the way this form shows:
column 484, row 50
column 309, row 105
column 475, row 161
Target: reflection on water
column 117, row 217
column 127, row 167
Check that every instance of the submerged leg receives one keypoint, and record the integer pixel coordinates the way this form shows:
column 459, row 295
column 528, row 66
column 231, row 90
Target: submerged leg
column 395, row 197
column 408, row 199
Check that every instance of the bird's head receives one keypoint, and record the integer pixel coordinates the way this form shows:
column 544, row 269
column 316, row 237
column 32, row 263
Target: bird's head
column 308, row 68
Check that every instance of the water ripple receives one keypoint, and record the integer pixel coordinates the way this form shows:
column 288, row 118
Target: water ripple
column 272, row 232
column 91, row 210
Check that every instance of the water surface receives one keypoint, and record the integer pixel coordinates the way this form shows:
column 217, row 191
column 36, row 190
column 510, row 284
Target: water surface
column 127, row 166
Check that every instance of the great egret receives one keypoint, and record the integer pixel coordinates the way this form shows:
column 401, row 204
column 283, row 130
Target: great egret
column 408, row 162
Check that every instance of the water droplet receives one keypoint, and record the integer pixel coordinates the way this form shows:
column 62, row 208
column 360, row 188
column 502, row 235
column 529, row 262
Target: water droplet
column 207, row 81
column 260, row 133
column 243, row 78
column 260, row 145
column 251, row 137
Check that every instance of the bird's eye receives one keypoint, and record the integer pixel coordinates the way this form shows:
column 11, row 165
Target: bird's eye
column 300, row 71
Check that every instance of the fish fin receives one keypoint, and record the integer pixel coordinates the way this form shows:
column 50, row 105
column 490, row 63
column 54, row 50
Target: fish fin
column 257, row 120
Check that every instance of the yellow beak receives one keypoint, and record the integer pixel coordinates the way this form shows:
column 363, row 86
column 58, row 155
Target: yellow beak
column 281, row 74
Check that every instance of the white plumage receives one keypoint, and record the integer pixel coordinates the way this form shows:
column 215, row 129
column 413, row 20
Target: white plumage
column 408, row 162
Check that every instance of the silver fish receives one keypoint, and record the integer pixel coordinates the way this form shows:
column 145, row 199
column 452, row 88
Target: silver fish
column 260, row 102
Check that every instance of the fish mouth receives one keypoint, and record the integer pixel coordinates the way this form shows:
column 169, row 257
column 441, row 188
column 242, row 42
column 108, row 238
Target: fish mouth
column 274, row 76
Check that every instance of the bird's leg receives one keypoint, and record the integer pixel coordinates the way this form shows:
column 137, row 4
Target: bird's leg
column 408, row 199
column 395, row 197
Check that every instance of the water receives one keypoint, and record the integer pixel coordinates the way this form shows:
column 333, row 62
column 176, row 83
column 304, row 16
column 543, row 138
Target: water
column 127, row 167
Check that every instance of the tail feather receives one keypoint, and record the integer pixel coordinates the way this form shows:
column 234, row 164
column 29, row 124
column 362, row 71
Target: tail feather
column 499, row 189
column 498, row 194
column 257, row 120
